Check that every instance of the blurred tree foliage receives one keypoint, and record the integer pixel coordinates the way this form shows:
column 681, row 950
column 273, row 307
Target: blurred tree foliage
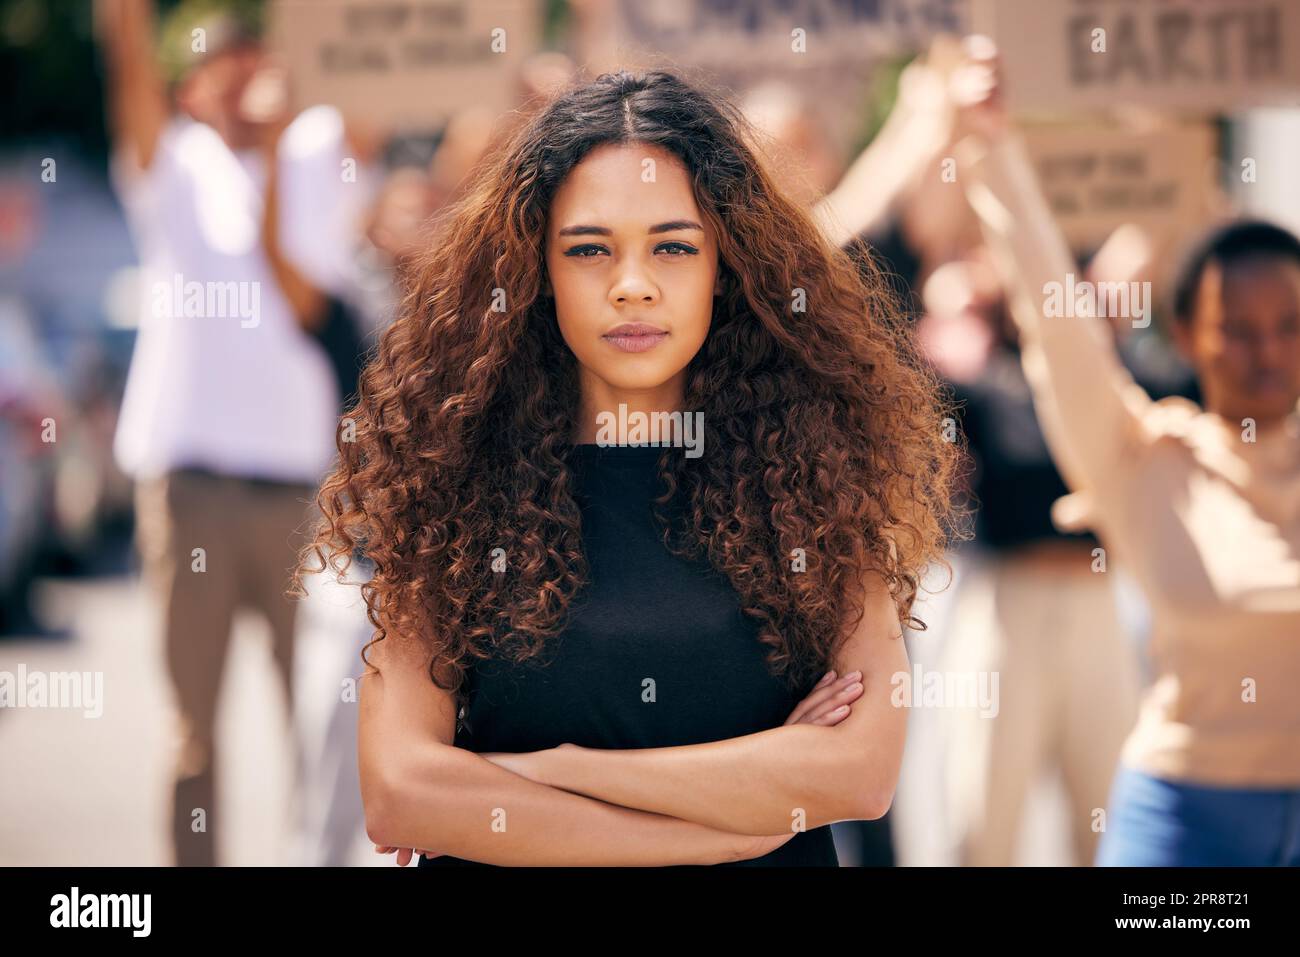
column 52, row 76
column 881, row 97
column 49, row 71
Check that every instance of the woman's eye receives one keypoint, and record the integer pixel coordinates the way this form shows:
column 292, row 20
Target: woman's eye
column 586, row 251
column 678, row 249
column 591, row 250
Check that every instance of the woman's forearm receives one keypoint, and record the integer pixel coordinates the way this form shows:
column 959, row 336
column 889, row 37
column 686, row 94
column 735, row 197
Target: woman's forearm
column 877, row 178
column 305, row 300
column 137, row 104
column 454, row 802
column 795, row 776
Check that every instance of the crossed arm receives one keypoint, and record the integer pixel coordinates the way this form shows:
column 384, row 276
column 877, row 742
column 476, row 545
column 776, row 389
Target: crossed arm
column 697, row 804
column 765, row 783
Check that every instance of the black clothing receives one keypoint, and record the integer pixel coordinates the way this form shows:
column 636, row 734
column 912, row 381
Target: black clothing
column 1015, row 480
column 345, row 344
column 655, row 653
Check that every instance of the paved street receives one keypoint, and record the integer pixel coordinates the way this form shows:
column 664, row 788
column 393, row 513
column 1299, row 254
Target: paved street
column 94, row 791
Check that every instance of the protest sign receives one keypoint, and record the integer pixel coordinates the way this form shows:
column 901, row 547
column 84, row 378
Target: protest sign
column 826, row 51
column 405, row 64
column 1098, row 177
column 1194, row 56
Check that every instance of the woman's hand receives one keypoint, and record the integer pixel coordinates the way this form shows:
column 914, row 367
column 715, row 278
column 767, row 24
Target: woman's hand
column 829, row 702
column 975, row 90
column 404, row 854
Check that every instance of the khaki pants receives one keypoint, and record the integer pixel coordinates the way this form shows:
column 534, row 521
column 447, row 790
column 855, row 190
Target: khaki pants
column 250, row 533
column 1068, row 692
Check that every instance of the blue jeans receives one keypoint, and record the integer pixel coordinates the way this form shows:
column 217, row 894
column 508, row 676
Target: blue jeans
column 1154, row 822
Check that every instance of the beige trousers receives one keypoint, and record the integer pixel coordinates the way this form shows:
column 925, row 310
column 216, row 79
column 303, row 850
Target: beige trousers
column 250, row 533
column 1068, row 684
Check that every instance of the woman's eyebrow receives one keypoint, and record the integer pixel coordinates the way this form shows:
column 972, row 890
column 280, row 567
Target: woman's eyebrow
column 675, row 224
column 668, row 227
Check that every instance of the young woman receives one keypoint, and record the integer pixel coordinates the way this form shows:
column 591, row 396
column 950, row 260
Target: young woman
column 1202, row 504
column 591, row 651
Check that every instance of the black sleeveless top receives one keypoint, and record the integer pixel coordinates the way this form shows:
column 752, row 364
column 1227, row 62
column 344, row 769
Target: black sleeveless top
column 656, row 651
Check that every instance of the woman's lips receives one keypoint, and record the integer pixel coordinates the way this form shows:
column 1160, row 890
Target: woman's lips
column 635, row 337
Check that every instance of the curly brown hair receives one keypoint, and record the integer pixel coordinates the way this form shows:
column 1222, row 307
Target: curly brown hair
column 825, row 429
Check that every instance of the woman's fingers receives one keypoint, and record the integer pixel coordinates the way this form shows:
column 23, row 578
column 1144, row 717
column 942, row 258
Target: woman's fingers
column 832, row 718
column 837, row 707
column 404, row 854
column 819, row 696
column 802, row 707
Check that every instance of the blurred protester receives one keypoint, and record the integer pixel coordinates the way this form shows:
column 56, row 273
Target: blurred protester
column 915, row 221
column 243, row 222
column 868, row 213
column 804, row 164
column 32, row 409
column 898, row 207
column 797, row 148
column 397, row 233
column 1031, row 607
column 1201, row 503
column 410, row 196
column 543, row 76
column 1034, row 607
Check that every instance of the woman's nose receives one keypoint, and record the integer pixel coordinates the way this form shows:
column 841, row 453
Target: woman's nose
column 633, row 284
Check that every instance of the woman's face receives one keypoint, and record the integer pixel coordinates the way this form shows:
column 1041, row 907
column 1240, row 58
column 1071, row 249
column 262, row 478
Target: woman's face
column 633, row 267
column 1244, row 340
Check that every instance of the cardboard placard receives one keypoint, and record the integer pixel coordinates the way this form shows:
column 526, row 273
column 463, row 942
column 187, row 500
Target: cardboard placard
column 1098, row 177
column 1195, row 56
column 405, row 64
column 720, row 32
column 826, row 51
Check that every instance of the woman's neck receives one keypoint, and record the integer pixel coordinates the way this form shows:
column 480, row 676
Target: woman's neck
column 606, row 414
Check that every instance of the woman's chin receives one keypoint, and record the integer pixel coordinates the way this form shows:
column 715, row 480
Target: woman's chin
column 636, row 375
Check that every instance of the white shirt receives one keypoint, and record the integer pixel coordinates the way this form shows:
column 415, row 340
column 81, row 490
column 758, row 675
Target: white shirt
column 222, row 375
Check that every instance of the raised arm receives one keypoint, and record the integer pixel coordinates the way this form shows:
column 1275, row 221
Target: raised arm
column 1087, row 402
column 910, row 140
column 137, row 99
column 305, row 299
column 420, row 791
column 795, row 775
